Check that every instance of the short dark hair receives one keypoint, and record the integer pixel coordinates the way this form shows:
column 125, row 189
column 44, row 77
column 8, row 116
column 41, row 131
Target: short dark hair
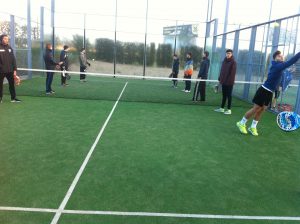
column 276, row 54
column 66, row 47
column 206, row 53
column 190, row 54
column 2, row 36
column 48, row 45
column 82, row 49
column 229, row 51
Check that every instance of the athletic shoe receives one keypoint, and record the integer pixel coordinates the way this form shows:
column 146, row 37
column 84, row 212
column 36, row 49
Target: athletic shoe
column 15, row 100
column 48, row 93
column 227, row 112
column 187, row 91
column 220, row 110
column 242, row 128
column 253, row 131
column 52, row 92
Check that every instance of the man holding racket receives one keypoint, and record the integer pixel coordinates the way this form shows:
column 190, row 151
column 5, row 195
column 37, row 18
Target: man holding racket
column 8, row 68
column 263, row 96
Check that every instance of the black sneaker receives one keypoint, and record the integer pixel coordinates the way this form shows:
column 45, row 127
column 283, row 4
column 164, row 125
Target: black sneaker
column 15, row 100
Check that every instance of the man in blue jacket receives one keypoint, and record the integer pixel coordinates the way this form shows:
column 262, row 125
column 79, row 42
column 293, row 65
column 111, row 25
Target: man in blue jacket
column 264, row 94
column 50, row 65
column 203, row 73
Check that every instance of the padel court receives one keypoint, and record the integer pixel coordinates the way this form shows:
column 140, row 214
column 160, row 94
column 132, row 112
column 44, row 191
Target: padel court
column 140, row 151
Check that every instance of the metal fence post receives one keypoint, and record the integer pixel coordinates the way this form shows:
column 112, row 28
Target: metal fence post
column 53, row 24
column 236, row 44
column 12, row 33
column 29, row 45
column 250, row 62
column 276, row 35
column 42, row 41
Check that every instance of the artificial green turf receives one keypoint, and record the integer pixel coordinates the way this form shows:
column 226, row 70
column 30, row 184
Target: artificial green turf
column 25, row 218
column 43, row 143
column 188, row 159
column 94, row 219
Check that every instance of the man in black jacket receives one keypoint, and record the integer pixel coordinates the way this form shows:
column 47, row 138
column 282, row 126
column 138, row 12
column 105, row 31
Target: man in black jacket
column 50, row 65
column 64, row 57
column 8, row 68
column 175, row 70
column 203, row 73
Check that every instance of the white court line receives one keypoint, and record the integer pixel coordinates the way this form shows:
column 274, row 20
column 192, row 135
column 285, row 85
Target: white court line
column 86, row 160
column 21, row 209
column 152, row 214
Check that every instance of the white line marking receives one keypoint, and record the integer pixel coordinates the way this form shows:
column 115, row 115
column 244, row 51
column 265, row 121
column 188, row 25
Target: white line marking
column 178, row 215
column 150, row 214
column 21, row 209
column 87, row 158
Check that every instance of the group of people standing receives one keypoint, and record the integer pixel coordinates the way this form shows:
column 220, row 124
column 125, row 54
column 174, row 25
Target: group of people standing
column 63, row 65
column 226, row 78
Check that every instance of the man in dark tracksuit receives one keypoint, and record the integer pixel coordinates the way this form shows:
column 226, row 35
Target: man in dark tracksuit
column 64, row 57
column 226, row 79
column 8, row 68
column 203, row 73
column 50, row 65
column 175, row 70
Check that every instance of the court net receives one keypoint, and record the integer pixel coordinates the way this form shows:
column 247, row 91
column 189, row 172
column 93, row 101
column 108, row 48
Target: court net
column 139, row 89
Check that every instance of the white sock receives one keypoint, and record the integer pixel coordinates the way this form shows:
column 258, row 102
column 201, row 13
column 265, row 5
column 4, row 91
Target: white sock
column 254, row 124
column 244, row 121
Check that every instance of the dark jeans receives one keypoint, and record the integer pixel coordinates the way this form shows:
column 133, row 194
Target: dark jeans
column 82, row 75
column 49, row 80
column 11, row 83
column 188, row 83
column 199, row 91
column 175, row 75
column 227, row 95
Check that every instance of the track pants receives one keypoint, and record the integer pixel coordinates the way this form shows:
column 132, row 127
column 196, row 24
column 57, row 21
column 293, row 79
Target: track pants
column 227, row 95
column 11, row 83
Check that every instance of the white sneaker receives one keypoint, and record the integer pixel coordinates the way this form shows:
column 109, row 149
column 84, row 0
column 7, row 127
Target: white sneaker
column 227, row 112
column 187, row 91
column 220, row 110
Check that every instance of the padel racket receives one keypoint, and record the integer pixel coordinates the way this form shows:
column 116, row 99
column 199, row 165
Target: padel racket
column 288, row 121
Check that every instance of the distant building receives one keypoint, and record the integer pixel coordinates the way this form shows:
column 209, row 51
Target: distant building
column 185, row 35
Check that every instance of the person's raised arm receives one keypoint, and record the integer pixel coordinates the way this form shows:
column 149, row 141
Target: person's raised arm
column 288, row 63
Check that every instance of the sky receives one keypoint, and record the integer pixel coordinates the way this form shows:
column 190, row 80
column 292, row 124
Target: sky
column 131, row 15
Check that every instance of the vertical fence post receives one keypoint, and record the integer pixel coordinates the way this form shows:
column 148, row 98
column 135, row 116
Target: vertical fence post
column 236, row 44
column 276, row 35
column 225, row 25
column 145, row 44
column 250, row 62
column 53, row 24
column 29, row 45
column 84, row 32
column 42, row 33
column 12, row 33
column 115, row 46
